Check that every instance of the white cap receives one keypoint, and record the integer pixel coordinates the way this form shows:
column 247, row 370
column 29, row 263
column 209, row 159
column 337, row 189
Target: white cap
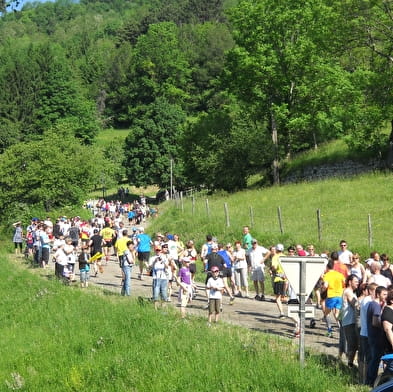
column 280, row 247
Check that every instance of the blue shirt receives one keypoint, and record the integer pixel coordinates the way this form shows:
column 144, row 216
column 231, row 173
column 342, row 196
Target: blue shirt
column 223, row 253
column 143, row 242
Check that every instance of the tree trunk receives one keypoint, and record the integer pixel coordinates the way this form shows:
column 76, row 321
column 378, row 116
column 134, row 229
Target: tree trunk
column 276, row 174
column 389, row 159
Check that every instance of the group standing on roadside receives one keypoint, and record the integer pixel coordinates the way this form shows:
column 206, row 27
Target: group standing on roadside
column 356, row 298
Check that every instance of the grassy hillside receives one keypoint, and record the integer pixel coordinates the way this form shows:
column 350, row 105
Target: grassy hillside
column 59, row 338
column 105, row 137
column 345, row 206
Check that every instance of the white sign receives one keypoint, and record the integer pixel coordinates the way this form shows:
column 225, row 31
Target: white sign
column 314, row 268
column 293, row 311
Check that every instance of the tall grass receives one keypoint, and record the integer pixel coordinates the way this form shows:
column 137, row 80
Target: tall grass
column 106, row 136
column 58, row 338
column 345, row 206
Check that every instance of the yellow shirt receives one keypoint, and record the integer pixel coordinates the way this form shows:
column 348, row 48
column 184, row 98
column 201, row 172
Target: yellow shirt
column 336, row 282
column 121, row 245
column 107, row 233
column 278, row 270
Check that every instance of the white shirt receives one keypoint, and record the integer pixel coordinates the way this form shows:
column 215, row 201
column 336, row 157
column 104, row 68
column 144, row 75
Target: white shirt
column 256, row 256
column 215, row 286
column 345, row 256
column 240, row 259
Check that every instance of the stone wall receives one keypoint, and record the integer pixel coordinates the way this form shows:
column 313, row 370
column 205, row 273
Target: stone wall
column 346, row 168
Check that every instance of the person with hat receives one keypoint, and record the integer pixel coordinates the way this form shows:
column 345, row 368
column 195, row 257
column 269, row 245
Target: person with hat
column 159, row 265
column 215, row 285
column 18, row 237
column 127, row 261
column 213, row 259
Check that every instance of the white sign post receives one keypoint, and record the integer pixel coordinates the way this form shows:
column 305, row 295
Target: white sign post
column 303, row 273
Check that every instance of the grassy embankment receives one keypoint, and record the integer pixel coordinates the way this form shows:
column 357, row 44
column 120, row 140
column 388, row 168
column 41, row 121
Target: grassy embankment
column 59, row 338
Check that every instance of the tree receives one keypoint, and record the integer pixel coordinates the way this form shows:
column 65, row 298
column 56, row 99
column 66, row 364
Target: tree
column 223, row 148
column 153, row 141
column 156, row 67
column 282, row 54
column 52, row 172
column 38, row 89
column 205, row 46
column 369, row 53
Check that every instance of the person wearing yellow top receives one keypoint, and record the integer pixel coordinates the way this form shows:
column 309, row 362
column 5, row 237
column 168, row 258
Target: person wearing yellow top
column 334, row 283
column 121, row 245
column 108, row 234
column 279, row 279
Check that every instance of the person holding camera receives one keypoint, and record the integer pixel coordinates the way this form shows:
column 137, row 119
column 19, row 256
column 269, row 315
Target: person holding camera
column 127, row 261
column 159, row 264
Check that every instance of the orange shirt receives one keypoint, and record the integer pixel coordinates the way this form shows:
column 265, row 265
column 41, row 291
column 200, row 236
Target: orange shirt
column 342, row 268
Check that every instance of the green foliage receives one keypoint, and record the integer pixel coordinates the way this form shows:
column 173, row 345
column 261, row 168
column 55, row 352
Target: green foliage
column 302, row 72
column 222, row 148
column 279, row 65
column 51, row 172
column 38, row 90
column 152, row 142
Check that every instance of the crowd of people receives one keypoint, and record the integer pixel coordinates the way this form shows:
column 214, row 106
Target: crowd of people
column 356, row 297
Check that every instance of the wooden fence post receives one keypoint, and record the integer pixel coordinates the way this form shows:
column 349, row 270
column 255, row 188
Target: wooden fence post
column 193, row 205
column 280, row 220
column 207, row 208
column 226, row 214
column 370, row 232
column 319, row 225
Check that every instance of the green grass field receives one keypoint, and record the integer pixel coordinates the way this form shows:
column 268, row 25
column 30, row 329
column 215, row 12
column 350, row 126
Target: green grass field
column 346, row 208
column 61, row 338
column 106, row 136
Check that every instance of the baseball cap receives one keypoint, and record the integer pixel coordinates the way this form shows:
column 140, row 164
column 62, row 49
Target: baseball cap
column 214, row 246
column 95, row 231
column 214, row 268
column 280, row 247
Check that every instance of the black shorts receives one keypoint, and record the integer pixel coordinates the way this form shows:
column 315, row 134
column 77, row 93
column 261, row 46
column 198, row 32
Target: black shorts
column 108, row 244
column 45, row 255
column 144, row 256
column 278, row 288
column 192, row 268
column 227, row 273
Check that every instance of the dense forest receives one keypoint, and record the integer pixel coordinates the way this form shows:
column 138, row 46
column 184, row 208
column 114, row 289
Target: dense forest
column 222, row 88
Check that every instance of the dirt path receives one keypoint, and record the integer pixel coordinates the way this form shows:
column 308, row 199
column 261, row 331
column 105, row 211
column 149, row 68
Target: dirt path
column 257, row 315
